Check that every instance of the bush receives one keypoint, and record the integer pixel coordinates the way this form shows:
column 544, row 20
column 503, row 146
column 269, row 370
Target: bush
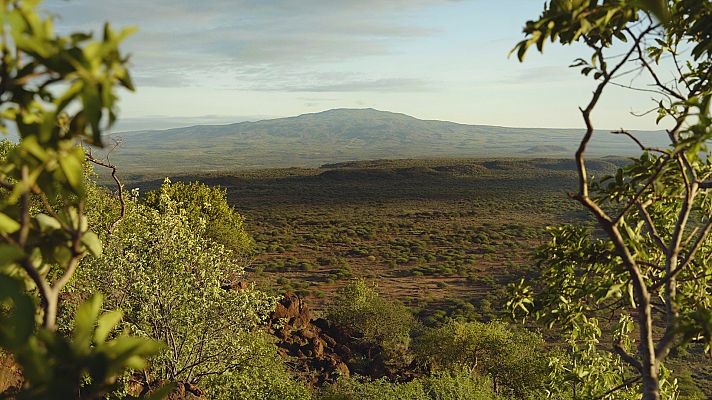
column 514, row 359
column 457, row 384
column 221, row 222
column 373, row 320
column 170, row 280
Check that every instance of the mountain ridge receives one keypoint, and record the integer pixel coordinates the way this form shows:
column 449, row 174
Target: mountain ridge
column 346, row 134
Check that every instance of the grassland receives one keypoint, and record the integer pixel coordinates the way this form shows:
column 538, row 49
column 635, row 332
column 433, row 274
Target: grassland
column 444, row 236
column 440, row 235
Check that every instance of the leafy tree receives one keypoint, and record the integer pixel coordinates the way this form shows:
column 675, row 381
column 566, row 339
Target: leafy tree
column 173, row 282
column 514, row 359
column 585, row 371
column 649, row 260
column 223, row 224
column 456, row 384
column 55, row 92
column 373, row 320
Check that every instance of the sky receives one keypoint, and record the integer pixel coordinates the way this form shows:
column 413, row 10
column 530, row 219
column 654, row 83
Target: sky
column 223, row 61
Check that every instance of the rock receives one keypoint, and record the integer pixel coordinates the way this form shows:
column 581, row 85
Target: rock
column 342, row 369
column 304, row 342
column 328, row 340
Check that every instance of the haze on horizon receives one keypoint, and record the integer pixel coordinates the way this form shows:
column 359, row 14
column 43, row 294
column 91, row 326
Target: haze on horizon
column 225, row 61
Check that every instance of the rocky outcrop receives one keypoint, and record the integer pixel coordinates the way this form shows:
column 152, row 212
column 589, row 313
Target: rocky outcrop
column 315, row 352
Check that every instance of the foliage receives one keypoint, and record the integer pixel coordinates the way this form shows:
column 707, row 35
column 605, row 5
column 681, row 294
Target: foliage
column 264, row 378
column 513, row 358
column 373, row 319
column 223, row 224
column 584, row 371
column 55, row 91
column 56, row 364
column 175, row 285
column 457, row 384
column 650, row 258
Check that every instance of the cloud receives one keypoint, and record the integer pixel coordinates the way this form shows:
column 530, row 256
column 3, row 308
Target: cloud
column 187, row 42
column 540, row 75
column 389, row 85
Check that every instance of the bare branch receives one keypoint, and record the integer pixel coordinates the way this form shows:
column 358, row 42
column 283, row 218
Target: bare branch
column 119, row 186
column 638, row 142
column 651, row 227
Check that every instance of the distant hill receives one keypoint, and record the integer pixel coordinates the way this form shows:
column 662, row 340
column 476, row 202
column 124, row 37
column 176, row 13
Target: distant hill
column 341, row 135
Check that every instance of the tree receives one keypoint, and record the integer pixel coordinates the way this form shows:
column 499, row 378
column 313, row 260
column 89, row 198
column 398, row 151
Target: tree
column 373, row 320
column 514, row 359
column 55, row 92
column 174, row 284
column 222, row 223
column 649, row 258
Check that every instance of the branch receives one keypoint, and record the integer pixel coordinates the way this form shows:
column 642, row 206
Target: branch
column 689, row 259
column 638, row 142
column 640, row 191
column 651, row 227
column 619, row 387
column 627, row 357
column 119, row 186
column 653, row 74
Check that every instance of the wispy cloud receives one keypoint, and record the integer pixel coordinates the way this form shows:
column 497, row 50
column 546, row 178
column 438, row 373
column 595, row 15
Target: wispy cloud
column 183, row 43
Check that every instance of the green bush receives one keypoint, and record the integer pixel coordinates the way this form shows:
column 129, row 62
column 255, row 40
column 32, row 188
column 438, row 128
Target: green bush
column 457, row 384
column 373, row 320
column 169, row 277
column 513, row 358
column 201, row 202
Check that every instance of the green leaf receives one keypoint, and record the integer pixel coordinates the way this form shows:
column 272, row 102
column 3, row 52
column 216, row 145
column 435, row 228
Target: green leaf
column 658, row 8
column 72, row 169
column 107, row 322
column 17, row 325
column 92, row 243
column 8, row 224
column 84, row 322
column 9, row 254
column 47, row 223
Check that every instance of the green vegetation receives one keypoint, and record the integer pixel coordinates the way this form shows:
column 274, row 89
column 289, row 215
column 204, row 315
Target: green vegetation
column 454, row 385
column 512, row 358
column 342, row 135
column 413, row 225
column 648, row 263
column 170, row 278
column 56, row 91
column 374, row 321
column 105, row 296
column 207, row 207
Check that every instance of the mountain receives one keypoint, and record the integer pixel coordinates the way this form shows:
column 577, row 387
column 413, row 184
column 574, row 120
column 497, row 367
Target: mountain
column 343, row 135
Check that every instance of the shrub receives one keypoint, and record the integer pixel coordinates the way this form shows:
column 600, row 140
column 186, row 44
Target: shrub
column 373, row 320
column 221, row 222
column 170, row 280
column 513, row 359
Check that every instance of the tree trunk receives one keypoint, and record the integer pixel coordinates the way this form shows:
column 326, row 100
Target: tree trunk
column 650, row 366
column 651, row 387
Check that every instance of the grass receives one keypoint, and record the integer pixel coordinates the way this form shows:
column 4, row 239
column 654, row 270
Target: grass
column 444, row 236
column 425, row 230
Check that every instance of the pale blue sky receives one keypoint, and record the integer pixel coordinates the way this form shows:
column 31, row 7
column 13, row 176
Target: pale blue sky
column 220, row 61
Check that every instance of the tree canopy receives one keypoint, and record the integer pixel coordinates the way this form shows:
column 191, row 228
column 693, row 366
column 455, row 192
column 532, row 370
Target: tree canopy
column 647, row 264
